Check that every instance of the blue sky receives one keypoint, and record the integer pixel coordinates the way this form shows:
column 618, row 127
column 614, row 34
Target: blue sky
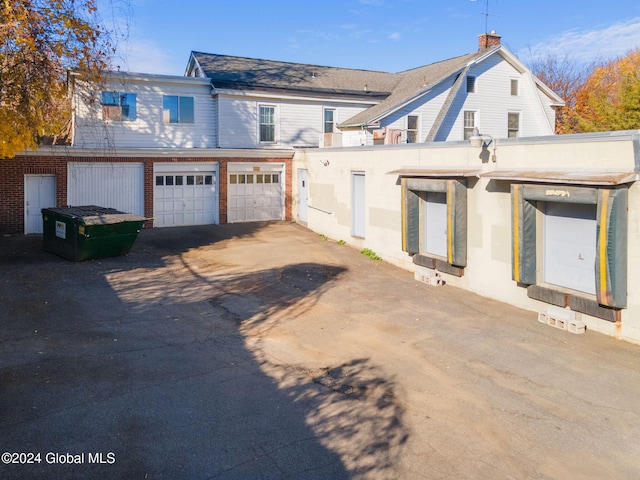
column 388, row 35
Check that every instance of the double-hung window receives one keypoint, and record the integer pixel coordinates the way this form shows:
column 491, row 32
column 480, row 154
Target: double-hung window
column 177, row 109
column 329, row 120
column 412, row 129
column 118, row 106
column 267, row 123
column 469, row 123
column 513, row 125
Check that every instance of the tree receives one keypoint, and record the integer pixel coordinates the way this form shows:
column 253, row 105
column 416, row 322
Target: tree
column 40, row 40
column 609, row 99
column 564, row 77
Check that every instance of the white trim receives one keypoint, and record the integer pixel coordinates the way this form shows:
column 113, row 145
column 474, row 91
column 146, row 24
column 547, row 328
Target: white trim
column 275, row 97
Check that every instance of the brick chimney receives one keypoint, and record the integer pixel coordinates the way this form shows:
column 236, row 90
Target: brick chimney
column 488, row 40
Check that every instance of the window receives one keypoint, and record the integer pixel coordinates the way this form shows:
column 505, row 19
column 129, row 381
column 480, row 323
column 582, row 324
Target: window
column 513, row 125
column 118, row 106
column 471, row 84
column 412, row 129
column 514, row 87
column 267, row 124
column 329, row 120
column 177, row 109
column 469, row 124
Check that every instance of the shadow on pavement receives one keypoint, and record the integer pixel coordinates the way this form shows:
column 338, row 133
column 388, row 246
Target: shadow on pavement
column 138, row 367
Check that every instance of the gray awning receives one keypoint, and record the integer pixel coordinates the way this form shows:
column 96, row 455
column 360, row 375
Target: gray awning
column 436, row 172
column 583, row 177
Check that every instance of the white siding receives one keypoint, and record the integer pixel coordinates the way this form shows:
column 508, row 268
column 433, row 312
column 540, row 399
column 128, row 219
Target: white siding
column 493, row 100
column 298, row 123
column 148, row 130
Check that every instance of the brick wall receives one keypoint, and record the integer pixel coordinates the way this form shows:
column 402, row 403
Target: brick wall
column 12, row 172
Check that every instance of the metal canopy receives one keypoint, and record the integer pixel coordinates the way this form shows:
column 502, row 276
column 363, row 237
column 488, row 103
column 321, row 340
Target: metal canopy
column 563, row 176
column 436, row 172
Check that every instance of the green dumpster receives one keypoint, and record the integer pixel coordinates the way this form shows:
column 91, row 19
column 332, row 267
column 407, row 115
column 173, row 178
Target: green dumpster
column 89, row 232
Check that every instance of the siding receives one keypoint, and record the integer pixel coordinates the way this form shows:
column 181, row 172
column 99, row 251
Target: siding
column 298, row 123
column 148, row 130
column 493, row 100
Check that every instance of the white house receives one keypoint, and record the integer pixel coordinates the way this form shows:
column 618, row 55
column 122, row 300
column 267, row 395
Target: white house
column 236, row 102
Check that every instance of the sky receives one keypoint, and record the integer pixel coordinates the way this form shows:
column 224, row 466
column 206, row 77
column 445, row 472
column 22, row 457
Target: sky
column 157, row 36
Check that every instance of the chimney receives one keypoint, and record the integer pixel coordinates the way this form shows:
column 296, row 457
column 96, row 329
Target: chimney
column 488, row 40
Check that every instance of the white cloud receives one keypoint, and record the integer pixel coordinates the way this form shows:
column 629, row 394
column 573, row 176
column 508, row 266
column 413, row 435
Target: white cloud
column 395, row 36
column 590, row 45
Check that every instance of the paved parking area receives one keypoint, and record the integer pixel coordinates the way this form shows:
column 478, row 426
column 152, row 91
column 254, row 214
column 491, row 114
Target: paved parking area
column 264, row 351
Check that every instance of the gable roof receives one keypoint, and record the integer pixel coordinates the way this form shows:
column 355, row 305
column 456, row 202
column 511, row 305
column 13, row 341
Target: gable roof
column 240, row 73
column 412, row 84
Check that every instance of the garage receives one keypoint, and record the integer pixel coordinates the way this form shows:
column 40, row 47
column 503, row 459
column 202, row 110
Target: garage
column 255, row 192
column 112, row 185
column 185, row 194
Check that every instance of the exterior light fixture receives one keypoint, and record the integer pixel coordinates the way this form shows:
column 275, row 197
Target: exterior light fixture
column 483, row 141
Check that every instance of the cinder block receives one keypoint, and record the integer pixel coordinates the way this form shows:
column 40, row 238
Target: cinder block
column 542, row 318
column 576, row 326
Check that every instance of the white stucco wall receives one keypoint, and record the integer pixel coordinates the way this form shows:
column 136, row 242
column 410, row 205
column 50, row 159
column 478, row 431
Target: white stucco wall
column 488, row 270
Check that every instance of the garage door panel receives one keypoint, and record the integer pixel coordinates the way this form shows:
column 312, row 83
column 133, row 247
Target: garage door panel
column 112, row 185
column 255, row 196
column 193, row 197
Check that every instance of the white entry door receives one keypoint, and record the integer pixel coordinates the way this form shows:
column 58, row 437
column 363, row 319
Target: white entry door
column 358, row 205
column 303, row 195
column 435, row 225
column 39, row 193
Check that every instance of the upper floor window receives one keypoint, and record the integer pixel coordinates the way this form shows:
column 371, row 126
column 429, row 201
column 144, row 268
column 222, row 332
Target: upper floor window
column 329, row 120
column 412, row 128
column 469, row 123
column 513, row 125
column 514, row 87
column 118, row 106
column 267, row 124
column 471, row 84
column 177, row 109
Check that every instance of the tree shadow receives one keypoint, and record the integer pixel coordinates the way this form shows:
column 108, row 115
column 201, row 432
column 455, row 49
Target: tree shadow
column 157, row 358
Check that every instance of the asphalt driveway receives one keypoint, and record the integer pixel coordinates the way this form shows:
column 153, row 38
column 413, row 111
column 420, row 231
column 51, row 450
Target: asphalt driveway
column 265, row 351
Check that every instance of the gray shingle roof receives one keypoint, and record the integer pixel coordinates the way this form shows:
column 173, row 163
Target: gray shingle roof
column 242, row 73
column 394, row 89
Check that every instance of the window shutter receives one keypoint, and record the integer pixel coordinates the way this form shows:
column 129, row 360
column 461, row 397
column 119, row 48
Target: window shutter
column 523, row 235
column 456, row 223
column 611, row 248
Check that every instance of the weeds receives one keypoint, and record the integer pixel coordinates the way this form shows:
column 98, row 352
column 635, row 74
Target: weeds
column 370, row 253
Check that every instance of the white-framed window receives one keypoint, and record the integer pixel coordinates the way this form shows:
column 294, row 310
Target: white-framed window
column 412, row 128
column 469, row 123
column 513, row 124
column 329, row 120
column 514, row 87
column 118, row 106
column 471, row 84
column 177, row 109
column 267, row 123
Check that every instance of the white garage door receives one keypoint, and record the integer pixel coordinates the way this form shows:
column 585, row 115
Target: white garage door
column 185, row 194
column 570, row 246
column 111, row 185
column 255, row 193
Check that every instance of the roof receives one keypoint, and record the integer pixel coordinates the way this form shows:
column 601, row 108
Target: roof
column 242, row 73
column 411, row 84
column 598, row 177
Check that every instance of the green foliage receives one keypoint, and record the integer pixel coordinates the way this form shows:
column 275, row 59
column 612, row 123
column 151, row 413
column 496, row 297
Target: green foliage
column 323, row 237
column 341, row 242
column 370, row 253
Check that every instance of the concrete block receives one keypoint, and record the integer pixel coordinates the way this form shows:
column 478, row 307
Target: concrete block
column 576, row 326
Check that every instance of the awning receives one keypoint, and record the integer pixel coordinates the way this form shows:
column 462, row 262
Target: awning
column 584, row 177
column 436, row 172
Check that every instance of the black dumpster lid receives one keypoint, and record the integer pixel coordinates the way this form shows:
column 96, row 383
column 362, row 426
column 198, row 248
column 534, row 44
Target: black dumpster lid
column 94, row 215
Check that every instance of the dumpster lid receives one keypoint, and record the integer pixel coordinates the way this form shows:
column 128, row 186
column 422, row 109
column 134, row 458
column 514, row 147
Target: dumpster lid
column 94, row 215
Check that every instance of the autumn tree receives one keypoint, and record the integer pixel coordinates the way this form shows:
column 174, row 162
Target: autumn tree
column 565, row 77
column 40, row 40
column 609, row 99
